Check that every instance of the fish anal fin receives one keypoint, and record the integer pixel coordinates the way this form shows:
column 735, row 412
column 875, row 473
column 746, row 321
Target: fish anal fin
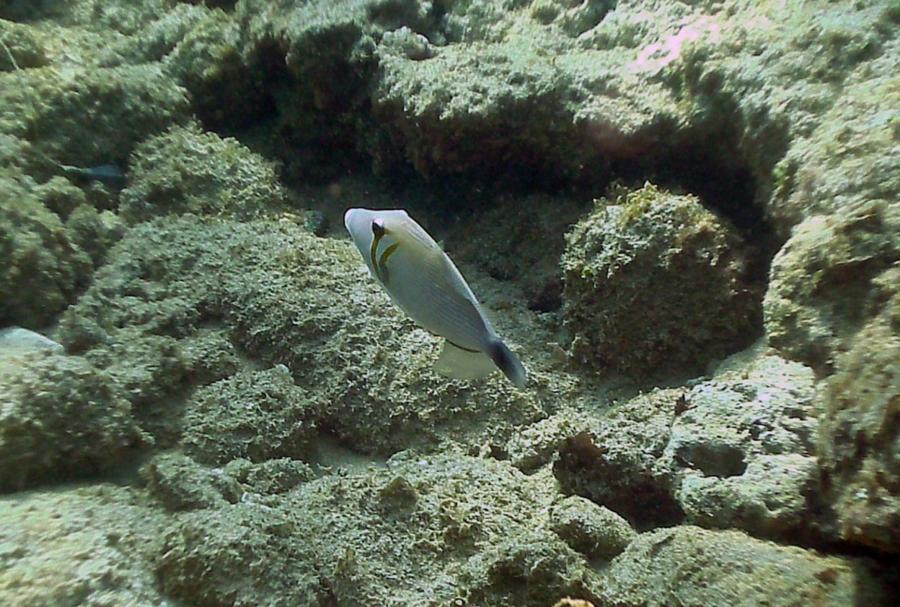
column 458, row 363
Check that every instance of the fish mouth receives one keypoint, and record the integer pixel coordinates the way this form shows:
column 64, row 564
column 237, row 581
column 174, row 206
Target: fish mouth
column 357, row 221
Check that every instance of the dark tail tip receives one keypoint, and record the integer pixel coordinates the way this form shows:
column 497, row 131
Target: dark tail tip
column 507, row 362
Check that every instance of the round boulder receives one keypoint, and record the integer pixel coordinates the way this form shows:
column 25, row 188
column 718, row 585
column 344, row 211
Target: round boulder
column 654, row 282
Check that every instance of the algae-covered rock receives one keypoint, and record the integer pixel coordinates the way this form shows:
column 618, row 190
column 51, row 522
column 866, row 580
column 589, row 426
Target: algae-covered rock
column 425, row 529
column 208, row 63
column 447, row 113
column 209, row 356
column 89, row 116
column 94, row 232
column 832, row 303
column 248, row 554
column 51, row 239
column 743, row 446
column 859, row 433
column 535, row 445
column 511, row 89
column 287, row 297
column 519, row 240
column 180, row 483
column 619, row 462
column 737, row 450
column 87, row 546
column 322, row 55
column 42, row 267
column 821, row 290
column 592, row 530
column 529, row 568
column 654, row 281
column 153, row 40
column 148, row 368
column 59, row 195
column 20, row 48
column 151, row 370
column 60, row 418
column 693, row 567
column 256, row 415
column 270, row 476
column 851, row 157
column 188, row 171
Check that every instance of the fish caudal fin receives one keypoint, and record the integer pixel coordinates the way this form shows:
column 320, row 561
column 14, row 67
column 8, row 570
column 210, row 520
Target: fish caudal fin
column 463, row 364
column 507, row 362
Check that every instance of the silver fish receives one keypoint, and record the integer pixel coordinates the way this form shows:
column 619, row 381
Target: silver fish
column 109, row 174
column 423, row 282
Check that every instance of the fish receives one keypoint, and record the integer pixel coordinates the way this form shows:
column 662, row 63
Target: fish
column 16, row 340
column 424, row 283
column 108, row 174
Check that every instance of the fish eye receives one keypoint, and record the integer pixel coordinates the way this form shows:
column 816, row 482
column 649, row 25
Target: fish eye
column 378, row 227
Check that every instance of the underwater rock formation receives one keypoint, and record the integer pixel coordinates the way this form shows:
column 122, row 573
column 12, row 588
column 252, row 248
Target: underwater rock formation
column 84, row 546
column 185, row 170
column 735, row 451
column 58, row 112
column 180, row 483
column 743, row 446
column 594, row 531
column 60, row 418
column 482, row 519
column 695, row 568
column 288, row 298
column 261, row 380
column 21, row 47
column 255, row 415
column 860, row 428
column 653, row 282
column 42, row 267
column 519, row 241
column 822, row 287
column 619, row 464
column 833, row 303
column 52, row 236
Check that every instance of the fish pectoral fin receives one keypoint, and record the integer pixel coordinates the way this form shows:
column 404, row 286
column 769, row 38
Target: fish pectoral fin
column 459, row 363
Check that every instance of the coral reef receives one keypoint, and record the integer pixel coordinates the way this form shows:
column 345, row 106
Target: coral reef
column 214, row 363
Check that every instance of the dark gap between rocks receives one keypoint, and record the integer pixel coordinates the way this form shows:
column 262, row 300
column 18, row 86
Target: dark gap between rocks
column 264, row 106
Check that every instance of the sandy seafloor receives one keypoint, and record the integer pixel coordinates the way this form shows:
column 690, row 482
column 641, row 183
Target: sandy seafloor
column 682, row 216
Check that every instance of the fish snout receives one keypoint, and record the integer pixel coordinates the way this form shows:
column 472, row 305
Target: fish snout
column 350, row 217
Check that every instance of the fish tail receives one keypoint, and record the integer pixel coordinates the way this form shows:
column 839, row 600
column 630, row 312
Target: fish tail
column 507, row 362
